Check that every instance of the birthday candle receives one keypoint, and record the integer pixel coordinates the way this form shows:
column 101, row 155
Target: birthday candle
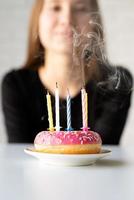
column 50, row 115
column 57, row 108
column 84, row 107
column 68, row 111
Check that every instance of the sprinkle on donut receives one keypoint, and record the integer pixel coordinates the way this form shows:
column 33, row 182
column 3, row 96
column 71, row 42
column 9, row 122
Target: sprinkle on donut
column 67, row 138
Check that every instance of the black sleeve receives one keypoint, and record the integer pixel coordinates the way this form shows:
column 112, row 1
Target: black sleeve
column 15, row 111
column 115, row 105
column 111, row 122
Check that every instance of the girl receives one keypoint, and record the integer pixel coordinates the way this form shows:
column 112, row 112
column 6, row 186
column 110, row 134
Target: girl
column 66, row 45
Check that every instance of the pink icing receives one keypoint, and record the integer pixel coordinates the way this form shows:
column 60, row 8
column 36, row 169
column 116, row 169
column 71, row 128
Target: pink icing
column 67, row 138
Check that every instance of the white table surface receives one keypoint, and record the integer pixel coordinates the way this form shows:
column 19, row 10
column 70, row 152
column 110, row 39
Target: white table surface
column 23, row 177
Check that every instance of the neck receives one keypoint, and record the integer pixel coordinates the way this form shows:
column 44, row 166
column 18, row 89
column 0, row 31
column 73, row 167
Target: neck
column 58, row 66
column 60, row 69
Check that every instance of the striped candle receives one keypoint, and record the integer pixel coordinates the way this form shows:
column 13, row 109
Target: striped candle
column 68, row 111
column 57, row 108
column 87, row 109
column 84, row 108
column 50, row 114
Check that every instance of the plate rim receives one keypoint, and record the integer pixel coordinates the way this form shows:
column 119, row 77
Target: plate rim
column 68, row 159
column 31, row 150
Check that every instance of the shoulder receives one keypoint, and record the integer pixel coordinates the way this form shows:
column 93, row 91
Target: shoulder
column 18, row 81
column 124, row 79
column 116, row 79
column 124, row 72
column 18, row 77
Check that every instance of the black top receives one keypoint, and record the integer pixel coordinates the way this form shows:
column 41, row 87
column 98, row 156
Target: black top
column 25, row 108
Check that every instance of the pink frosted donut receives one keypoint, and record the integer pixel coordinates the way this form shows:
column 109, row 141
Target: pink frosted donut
column 68, row 142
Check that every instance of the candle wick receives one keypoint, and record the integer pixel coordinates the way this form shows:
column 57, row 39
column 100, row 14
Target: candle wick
column 68, row 92
column 83, row 84
column 56, row 85
column 83, row 88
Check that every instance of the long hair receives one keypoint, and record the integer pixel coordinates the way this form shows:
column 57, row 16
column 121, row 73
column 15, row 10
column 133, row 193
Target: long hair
column 35, row 51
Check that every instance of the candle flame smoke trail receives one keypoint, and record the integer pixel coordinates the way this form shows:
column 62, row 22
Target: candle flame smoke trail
column 89, row 46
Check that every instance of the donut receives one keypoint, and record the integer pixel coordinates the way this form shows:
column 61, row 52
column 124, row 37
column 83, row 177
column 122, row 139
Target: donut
column 68, row 142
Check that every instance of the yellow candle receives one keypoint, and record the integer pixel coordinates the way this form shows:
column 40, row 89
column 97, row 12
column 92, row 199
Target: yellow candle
column 50, row 115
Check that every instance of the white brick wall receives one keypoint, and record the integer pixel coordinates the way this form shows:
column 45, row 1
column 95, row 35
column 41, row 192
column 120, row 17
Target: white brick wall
column 14, row 15
column 119, row 26
column 118, row 16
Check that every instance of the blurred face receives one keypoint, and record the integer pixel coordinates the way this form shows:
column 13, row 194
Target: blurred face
column 57, row 21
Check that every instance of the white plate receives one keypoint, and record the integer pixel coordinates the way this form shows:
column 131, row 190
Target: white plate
column 68, row 159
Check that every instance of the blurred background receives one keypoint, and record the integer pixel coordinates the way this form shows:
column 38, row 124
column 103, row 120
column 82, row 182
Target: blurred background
column 118, row 20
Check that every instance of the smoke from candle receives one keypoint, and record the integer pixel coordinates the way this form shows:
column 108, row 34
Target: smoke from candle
column 89, row 46
column 88, row 49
